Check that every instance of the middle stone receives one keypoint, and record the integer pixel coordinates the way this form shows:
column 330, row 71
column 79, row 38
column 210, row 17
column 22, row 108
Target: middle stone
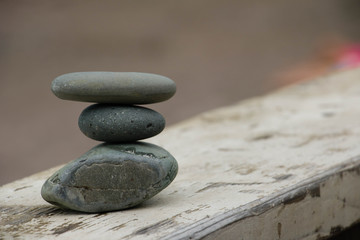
column 120, row 123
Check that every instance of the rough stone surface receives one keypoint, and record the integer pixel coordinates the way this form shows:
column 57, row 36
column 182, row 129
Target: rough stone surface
column 111, row 177
column 113, row 87
column 118, row 123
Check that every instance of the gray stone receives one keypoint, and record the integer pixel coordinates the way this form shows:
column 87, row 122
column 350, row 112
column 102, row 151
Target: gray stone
column 119, row 123
column 113, row 87
column 111, row 177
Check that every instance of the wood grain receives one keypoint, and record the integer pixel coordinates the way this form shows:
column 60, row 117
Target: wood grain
column 281, row 166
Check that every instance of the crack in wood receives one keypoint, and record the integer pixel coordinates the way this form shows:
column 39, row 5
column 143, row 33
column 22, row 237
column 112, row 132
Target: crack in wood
column 21, row 188
column 118, row 227
column 223, row 184
column 282, row 177
column 65, row 227
column 155, row 227
column 15, row 215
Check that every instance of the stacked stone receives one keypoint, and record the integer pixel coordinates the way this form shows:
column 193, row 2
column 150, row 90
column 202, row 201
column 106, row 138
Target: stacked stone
column 122, row 172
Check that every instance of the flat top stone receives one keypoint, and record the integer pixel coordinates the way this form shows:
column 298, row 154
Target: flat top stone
column 113, row 87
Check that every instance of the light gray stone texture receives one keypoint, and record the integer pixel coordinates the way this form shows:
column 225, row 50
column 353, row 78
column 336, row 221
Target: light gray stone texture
column 114, row 87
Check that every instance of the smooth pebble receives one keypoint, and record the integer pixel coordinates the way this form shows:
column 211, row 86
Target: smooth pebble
column 114, row 87
column 118, row 123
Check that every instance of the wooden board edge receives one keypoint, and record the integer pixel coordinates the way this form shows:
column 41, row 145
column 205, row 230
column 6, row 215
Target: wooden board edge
column 310, row 189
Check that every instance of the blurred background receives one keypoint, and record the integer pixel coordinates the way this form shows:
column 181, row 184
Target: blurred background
column 217, row 52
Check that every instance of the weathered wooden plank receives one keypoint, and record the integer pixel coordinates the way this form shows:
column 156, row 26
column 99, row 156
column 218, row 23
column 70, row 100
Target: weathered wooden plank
column 282, row 166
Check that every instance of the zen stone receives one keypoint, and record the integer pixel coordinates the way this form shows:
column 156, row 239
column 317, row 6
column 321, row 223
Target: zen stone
column 113, row 87
column 118, row 123
column 111, row 177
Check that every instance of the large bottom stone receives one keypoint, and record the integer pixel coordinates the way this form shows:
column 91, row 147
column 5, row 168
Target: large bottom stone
column 111, row 177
